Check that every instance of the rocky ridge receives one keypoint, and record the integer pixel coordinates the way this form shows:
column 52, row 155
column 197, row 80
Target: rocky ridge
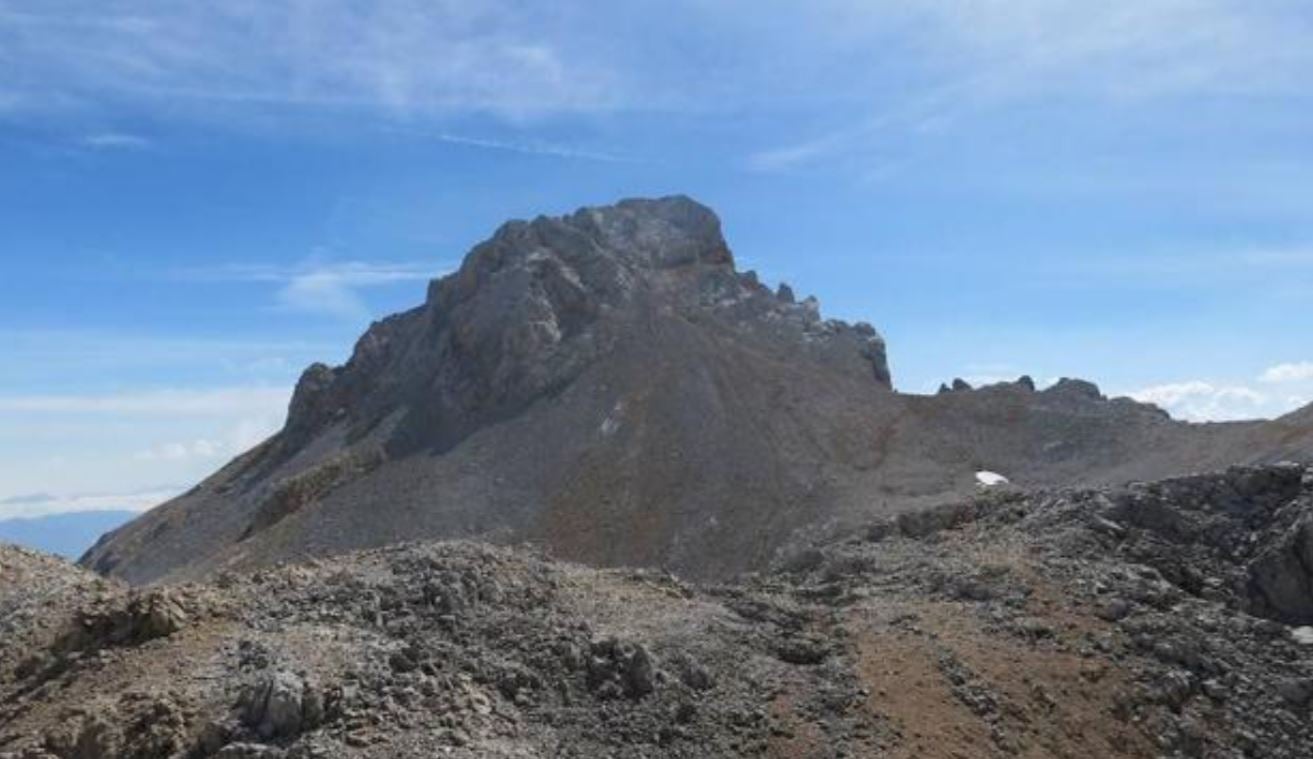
column 1159, row 619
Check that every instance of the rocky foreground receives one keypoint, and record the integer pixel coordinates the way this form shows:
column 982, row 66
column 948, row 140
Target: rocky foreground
column 1157, row 620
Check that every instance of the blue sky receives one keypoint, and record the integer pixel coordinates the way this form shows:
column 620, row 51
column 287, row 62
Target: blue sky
column 199, row 199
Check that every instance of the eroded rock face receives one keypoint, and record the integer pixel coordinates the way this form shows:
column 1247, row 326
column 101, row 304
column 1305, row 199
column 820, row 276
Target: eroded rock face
column 138, row 725
column 1281, row 578
column 144, row 616
column 281, row 704
column 1246, row 532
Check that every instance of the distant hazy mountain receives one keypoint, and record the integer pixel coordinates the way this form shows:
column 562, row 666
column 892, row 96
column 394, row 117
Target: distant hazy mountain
column 67, row 535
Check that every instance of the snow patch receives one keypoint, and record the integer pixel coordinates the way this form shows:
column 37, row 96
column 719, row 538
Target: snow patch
column 1302, row 635
column 988, row 479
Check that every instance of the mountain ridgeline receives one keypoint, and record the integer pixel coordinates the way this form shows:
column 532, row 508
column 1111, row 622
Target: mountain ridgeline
column 607, row 384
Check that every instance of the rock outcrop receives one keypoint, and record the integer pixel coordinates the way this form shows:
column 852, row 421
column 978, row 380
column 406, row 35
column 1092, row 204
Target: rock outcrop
column 1281, row 577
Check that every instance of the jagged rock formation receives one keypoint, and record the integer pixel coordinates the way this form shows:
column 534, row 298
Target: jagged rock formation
column 608, row 385
column 1129, row 622
column 605, row 382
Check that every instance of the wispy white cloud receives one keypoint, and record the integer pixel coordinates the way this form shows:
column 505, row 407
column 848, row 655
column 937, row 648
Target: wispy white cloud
column 1300, row 371
column 876, row 67
column 977, row 55
column 409, row 57
column 115, row 141
column 42, row 504
column 234, row 440
column 1282, row 388
column 222, row 402
column 322, row 293
column 76, row 360
column 352, row 273
column 331, row 289
column 1200, row 401
column 123, row 442
column 1128, row 48
column 931, row 105
column 788, row 156
column 199, row 449
column 533, row 147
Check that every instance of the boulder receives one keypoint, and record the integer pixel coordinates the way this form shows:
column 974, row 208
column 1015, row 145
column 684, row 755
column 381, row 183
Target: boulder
column 281, row 704
column 1281, row 578
column 621, row 667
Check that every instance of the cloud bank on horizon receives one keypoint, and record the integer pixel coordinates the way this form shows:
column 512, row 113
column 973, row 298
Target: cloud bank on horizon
column 35, row 505
column 210, row 196
column 1278, row 390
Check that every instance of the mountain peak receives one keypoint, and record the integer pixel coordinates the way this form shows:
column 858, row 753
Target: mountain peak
column 607, row 384
column 663, row 232
column 533, row 306
column 599, row 245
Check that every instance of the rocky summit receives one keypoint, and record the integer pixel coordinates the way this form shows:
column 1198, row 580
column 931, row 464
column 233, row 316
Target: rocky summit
column 1164, row 619
column 608, row 386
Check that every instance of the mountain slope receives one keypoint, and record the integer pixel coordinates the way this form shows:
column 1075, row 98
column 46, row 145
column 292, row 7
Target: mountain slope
column 608, row 385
